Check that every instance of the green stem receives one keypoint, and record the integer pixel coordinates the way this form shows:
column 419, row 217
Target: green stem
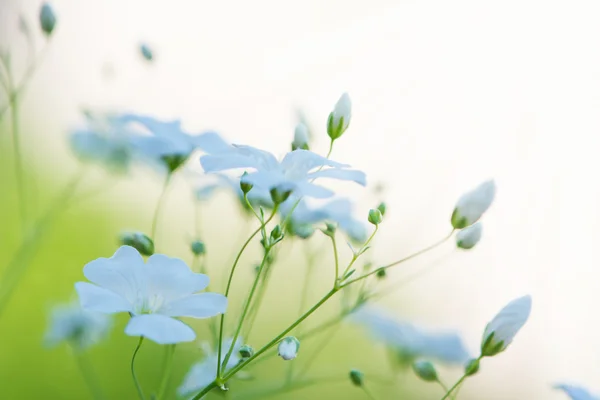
column 89, row 377
column 230, row 280
column 359, row 253
column 133, row 375
column 319, row 348
column 337, row 262
column 369, row 394
column 159, row 205
column 457, row 384
column 164, row 383
column 418, row 253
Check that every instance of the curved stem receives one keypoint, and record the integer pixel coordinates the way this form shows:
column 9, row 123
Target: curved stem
column 359, row 253
column 89, row 377
column 133, row 375
column 337, row 262
column 457, row 384
column 164, row 383
column 159, row 205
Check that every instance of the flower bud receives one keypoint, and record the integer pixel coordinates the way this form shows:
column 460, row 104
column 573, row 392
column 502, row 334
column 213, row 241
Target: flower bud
column 47, row 19
column 471, row 205
column 280, row 193
column 146, row 52
column 381, row 273
column 375, row 216
column 288, row 348
column 500, row 332
column 469, row 237
column 472, row 367
column 339, row 118
column 382, row 208
column 329, row 229
column 300, row 137
column 198, row 247
column 276, row 234
column 357, row 377
column 425, row 370
column 245, row 186
column 246, row 351
column 138, row 241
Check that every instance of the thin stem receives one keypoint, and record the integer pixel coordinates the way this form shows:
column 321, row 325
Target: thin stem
column 457, row 384
column 311, row 359
column 89, row 377
column 18, row 157
column 229, row 281
column 410, row 257
column 164, row 383
column 369, row 394
column 359, row 253
column 442, row 385
column 337, row 262
column 133, row 375
column 159, row 205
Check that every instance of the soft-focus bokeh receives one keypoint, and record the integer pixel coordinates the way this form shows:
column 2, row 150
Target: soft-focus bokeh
column 445, row 94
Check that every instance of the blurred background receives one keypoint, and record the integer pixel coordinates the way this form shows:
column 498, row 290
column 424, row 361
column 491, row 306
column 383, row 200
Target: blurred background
column 445, row 95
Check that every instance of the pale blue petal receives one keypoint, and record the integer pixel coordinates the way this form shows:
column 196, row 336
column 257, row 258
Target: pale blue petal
column 341, row 174
column 172, row 278
column 211, row 143
column 155, row 126
column 576, row 392
column 223, row 162
column 303, row 161
column 160, row 329
column 122, row 274
column 264, row 159
column 264, row 179
column 311, row 190
column 205, row 192
column 95, row 298
column 153, row 147
column 202, row 305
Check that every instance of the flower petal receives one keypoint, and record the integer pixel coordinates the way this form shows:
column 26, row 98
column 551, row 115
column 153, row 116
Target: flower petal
column 211, row 143
column 202, row 305
column 95, row 298
column 311, row 190
column 160, row 329
column 303, row 161
column 172, row 278
column 341, row 174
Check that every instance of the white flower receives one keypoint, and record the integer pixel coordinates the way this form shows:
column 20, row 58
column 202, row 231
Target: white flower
column 339, row 118
column 467, row 238
column 288, row 348
column 471, row 205
column 576, row 392
column 501, row 331
column 300, row 137
column 410, row 342
column 153, row 293
column 295, row 171
column 80, row 328
column 204, row 372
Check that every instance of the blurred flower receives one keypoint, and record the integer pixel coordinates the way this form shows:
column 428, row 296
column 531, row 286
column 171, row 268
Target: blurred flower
column 294, row 170
column 80, row 328
column 425, row 370
column 153, row 293
column 501, row 331
column 204, row 372
column 47, row 19
column 300, row 137
column 138, row 241
column 576, row 392
column 288, row 348
column 471, row 205
column 409, row 342
column 467, row 238
column 339, row 118
column 146, row 52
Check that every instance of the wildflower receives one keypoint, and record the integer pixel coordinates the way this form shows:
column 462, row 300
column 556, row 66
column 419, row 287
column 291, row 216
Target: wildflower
column 80, row 328
column 576, row 392
column 500, row 332
column 204, row 372
column 409, row 342
column 153, row 293
column 339, row 118
column 288, row 348
column 300, row 137
column 471, row 205
column 47, row 19
column 295, row 171
column 467, row 238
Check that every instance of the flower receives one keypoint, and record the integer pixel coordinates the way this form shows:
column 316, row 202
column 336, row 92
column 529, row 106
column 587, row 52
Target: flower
column 47, row 19
column 501, row 331
column 300, row 137
column 410, row 342
column 467, row 238
column 138, row 240
column 295, row 171
column 471, row 205
column 576, row 392
column 339, row 118
column 80, row 328
column 288, row 348
column 153, row 293
column 204, row 372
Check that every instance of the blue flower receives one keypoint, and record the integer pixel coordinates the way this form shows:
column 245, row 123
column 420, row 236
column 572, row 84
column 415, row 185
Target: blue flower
column 576, row 392
column 153, row 293
column 80, row 328
column 295, row 171
column 409, row 341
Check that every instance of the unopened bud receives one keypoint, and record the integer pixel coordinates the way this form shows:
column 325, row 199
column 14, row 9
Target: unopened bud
column 276, row 234
column 472, row 205
column 280, row 193
column 472, row 367
column 357, row 377
column 425, row 370
column 246, row 351
column 47, row 19
column 146, row 52
column 339, row 118
column 381, row 273
column 138, row 241
column 300, row 137
column 288, row 348
column 467, row 238
column 375, row 216
column 244, row 185
column 198, row 248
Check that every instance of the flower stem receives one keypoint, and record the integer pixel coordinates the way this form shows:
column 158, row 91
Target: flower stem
column 358, row 254
column 89, row 377
column 453, row 388
column 133, row 375
column 369, row 394
column 164, row 383
column 159, row 205
column 337, row 262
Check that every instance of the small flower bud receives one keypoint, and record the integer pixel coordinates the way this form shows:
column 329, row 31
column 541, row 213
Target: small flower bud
column 288, row 348
column 471, row 205
column 472, row 367
column 500, row 332
column 375, row 216
column 469, row 237
column 47, row 19
column 198, row 247
column 300, row 137
column 146, row 52
column 245, row 186
column 329, row 229
column 381, row 273
column 138, row 241
column 382, row 208
column 339, row 118
column 246, row 351
column 357, row 377
column 276, row 234
column 425, row 370
column 280, row 193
